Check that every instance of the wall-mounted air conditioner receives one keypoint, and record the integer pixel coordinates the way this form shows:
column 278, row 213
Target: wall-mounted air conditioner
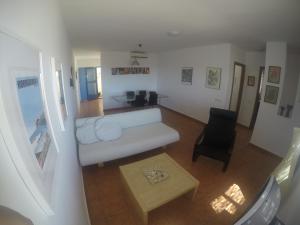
column 138, row 55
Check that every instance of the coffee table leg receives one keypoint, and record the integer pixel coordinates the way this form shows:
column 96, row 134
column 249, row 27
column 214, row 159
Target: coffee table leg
column 145, row 218
column 192, row 193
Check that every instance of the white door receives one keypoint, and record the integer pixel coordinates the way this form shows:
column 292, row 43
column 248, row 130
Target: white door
column 236, row 86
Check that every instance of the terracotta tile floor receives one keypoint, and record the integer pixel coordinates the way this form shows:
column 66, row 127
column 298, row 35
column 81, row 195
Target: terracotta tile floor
column 249, row 168
column 91, row 108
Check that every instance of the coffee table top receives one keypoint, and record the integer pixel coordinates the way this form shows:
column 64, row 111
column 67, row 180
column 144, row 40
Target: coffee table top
column 150, row 196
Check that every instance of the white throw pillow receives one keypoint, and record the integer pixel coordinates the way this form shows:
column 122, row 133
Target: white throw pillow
column 107, row 130
column 86, row 134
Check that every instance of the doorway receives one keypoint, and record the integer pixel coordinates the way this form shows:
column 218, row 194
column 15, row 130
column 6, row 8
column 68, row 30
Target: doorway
column 237, row 87
column 258, row 97
column 90, row 83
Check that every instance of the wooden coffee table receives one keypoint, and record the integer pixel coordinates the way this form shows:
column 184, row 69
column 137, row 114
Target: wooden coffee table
column 147, row 196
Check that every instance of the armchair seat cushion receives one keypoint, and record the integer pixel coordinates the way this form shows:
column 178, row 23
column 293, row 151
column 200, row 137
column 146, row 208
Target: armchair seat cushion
column 213, row 152
column 217, row 139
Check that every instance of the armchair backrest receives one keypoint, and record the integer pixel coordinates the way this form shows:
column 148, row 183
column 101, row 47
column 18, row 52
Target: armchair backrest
column 142, row 92
column 130, row 94
column 220, row 129
column 222, row 118
column 152, row 92
column 153, row 99
column 139, row 100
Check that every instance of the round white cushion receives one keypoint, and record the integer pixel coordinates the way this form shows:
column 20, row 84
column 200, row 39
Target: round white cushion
column 107, row 130
column 86, row 134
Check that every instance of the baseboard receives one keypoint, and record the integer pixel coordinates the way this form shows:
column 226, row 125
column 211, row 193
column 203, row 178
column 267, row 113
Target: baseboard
column 84, row 200
column 183, row 114
column 242, row 125
column 265, row 151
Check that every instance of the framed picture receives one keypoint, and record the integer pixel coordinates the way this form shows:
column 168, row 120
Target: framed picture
column 28, row 134
column 274, row 74
column 72, row 76
column 271, row 94
column 130, row 70
column 32, row 109
column 213, row 77
column 59, row 90
column 251, row 81
column 187, row 75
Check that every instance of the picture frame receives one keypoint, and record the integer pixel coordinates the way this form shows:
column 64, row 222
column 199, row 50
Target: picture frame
column 72, row 76
column 251, row 81
column 59, row 91
column 33, row 113
column 187, row 75
column 130, row 70
column 26, row 119
column 274, row 74
column 271, row 94
column 213, row 77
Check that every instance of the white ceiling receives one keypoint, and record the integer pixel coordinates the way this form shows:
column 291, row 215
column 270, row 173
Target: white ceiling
column 123, row 24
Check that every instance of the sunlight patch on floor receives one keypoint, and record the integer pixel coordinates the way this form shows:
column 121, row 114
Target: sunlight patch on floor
column 233, row 195
column 221, row 203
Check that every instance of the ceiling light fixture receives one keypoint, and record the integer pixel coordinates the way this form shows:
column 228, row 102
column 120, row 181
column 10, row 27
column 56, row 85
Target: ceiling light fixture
column 173, row 33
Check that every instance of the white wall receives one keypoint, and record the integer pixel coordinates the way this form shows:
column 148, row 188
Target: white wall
column 194, row 100
column 273, row 132
column 291, row 80
column 87, row 61
column 40, row 24
column 253, row 61
column 117, row 84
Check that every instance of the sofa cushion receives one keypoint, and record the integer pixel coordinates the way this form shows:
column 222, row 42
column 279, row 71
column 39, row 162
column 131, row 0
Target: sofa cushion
column 107, row 131
column 86, row 134
column 127, row 119
column 134, row 140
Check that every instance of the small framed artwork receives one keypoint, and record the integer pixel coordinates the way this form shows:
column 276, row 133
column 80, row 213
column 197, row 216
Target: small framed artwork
column 59, row 90
column 271, row 94
column 187, row 75
column 72, row 76
column 274, row 74
column 213, row 77
column 251, row 81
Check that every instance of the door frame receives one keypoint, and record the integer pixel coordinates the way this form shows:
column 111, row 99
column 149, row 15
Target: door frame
column 241, row 85
column 257, row 100
column 91, row 97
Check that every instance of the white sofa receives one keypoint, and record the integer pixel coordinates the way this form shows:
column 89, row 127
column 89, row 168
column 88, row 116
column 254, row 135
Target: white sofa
column 142, row 130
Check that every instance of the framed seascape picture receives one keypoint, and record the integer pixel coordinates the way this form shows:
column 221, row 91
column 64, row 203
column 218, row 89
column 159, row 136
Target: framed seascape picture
column 271, row 94
column 59, row 90
column 213, row 77
column 274, row 74
column 251, row 81
column 187, row 75
column 28, row 132
column 31, row 104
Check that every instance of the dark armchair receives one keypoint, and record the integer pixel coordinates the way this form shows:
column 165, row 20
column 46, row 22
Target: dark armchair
column 218, row 136
column 130, row 96
column 153, row 98
column 143, row 92
column 139, row 101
